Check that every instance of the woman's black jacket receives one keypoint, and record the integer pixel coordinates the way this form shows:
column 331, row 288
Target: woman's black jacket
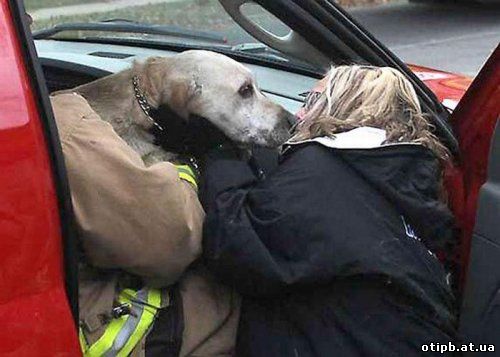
column 330, row 252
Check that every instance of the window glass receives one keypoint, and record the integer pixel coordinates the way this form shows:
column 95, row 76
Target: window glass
column 186, row 22
column 447, row 35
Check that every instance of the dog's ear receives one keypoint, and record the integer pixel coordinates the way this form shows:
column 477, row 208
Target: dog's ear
column 180, row 92
column 155, row 69
column 169, row 85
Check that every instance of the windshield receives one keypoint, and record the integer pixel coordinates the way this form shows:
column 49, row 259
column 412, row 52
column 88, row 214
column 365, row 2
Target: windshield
column 183, row 22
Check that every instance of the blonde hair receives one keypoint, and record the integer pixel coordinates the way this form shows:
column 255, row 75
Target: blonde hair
column 381, row 97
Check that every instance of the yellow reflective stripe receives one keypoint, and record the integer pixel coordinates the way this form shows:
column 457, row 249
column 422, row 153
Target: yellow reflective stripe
column 147, row 319
column 147, row 313
column 186, row 168
column 103, row 344
column 126, row 296
column 188, row 178
column 106, row 341
column 187, row 174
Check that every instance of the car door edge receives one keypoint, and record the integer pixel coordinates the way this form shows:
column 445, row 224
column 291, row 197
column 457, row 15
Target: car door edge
column 41, row 95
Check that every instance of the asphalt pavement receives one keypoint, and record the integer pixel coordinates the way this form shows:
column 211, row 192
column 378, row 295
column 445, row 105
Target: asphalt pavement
column 451, row 37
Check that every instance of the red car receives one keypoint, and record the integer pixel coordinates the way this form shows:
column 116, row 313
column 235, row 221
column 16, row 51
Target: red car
column 38, row 243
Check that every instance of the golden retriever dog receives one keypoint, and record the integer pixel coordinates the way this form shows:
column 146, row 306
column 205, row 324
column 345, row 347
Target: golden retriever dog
column 193, row 83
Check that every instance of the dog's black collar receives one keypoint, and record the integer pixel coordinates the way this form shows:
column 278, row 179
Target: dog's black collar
column 143, row 102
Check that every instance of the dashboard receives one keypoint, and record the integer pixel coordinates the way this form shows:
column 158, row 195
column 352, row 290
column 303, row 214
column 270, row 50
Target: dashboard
column 67, row 64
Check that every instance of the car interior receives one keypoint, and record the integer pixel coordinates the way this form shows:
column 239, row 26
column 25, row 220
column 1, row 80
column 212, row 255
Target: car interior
column 286, row 59
column 67, row 61
column 286, row 67
column 286, row 63
column 67, row 65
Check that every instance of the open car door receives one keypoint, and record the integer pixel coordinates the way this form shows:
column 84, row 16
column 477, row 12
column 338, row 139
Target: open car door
column 476, row 122
column 39, row 296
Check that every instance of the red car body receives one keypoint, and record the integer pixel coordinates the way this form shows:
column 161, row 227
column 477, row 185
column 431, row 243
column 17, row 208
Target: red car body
column 35, row 313
column 34, row 310
column 446, row 86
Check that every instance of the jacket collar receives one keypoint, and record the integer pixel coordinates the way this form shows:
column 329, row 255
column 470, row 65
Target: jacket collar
column 365, row 137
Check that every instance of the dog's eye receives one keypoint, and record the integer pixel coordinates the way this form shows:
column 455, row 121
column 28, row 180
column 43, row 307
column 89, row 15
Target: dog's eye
column 246, row 90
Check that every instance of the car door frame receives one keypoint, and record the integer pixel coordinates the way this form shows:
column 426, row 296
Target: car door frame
column 480, row 314
column 474, row 121
column 477, row 124
column 41, row 95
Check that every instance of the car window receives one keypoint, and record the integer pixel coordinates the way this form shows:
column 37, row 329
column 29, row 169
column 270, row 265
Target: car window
column 451, row 36
column 203, row 15
column 186, row 22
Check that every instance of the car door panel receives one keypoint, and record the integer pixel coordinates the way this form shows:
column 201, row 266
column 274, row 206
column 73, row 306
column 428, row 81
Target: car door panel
column 35, row 312
column 476, row 122
column 473, row 122
column 480, row 318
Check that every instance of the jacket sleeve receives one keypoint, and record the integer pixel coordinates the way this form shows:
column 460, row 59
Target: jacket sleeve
column 144, row 220
column 244, row 216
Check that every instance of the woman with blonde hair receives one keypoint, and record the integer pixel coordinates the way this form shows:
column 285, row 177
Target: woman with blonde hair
column 333, row 251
